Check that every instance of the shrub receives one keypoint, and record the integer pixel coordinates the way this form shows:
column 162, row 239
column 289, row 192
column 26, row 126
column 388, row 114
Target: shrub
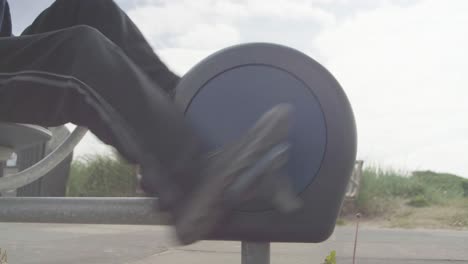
column 418, row 201
column 382, row 190
column 465, row 188
column 101, row 175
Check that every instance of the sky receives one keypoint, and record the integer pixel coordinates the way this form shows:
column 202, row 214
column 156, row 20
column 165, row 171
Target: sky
column 403, row 64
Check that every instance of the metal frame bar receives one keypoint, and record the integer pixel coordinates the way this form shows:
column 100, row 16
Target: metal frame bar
column 126, row 211
column 105, row 210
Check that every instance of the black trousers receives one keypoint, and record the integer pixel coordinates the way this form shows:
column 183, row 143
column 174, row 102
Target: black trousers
column 85, row 62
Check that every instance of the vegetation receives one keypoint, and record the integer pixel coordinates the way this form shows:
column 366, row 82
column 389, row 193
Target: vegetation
column 102, row 175
column 388, row 197
column 424, row 198
column 331, row 259
column 3, row 257
column 340, row 222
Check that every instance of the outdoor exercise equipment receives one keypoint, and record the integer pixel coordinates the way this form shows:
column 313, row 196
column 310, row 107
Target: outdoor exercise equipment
column 222, row 96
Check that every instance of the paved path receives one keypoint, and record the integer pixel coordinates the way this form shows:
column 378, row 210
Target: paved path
column 79, row 244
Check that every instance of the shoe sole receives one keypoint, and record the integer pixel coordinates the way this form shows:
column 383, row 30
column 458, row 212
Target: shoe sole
column 206, row 206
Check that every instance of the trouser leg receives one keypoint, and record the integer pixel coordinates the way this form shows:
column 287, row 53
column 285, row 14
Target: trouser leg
column 111, row 21
column 78, row 75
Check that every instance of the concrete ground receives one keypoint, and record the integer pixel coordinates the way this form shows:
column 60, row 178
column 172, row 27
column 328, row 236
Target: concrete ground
column 79, row 244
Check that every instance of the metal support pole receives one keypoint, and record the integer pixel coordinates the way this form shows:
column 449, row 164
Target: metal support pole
column 125, row 211
column 255, row 253
column 2, row 167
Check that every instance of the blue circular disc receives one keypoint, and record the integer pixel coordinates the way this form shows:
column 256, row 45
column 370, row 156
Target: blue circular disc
column 228, row 104
column 223, row 96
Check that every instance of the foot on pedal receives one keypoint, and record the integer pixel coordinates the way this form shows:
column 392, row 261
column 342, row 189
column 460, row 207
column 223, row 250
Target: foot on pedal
column 230, row 176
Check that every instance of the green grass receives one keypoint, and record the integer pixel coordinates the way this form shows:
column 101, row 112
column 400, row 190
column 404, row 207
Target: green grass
column 423, row 198
column 418, row 201
column 331, row 259
column 101, row 176
column 441, row 187
column 380, row 189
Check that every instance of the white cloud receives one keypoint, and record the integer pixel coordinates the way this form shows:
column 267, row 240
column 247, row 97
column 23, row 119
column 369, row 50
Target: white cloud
column 289, row 10
column 404, row 69
column 210, row 25
column 90, row 144
column 155, row 21
column 402, row 63
column 183, row 32
column 185, row 58
column 201, row 37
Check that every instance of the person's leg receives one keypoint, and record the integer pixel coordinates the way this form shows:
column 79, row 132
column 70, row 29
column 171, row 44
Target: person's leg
column 78, row 75
column 111, row 21
column 106, row 17
column 98, row 86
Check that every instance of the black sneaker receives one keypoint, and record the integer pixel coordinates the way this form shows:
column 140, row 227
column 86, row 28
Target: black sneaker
column 230, row 176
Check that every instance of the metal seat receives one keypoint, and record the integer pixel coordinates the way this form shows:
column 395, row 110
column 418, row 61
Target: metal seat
column 15, row 136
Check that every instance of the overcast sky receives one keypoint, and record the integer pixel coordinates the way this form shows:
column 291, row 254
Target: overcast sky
column 403, row 64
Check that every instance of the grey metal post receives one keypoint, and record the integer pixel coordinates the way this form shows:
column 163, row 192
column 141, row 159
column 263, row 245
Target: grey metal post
column 2, row 168
column 255, row 253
